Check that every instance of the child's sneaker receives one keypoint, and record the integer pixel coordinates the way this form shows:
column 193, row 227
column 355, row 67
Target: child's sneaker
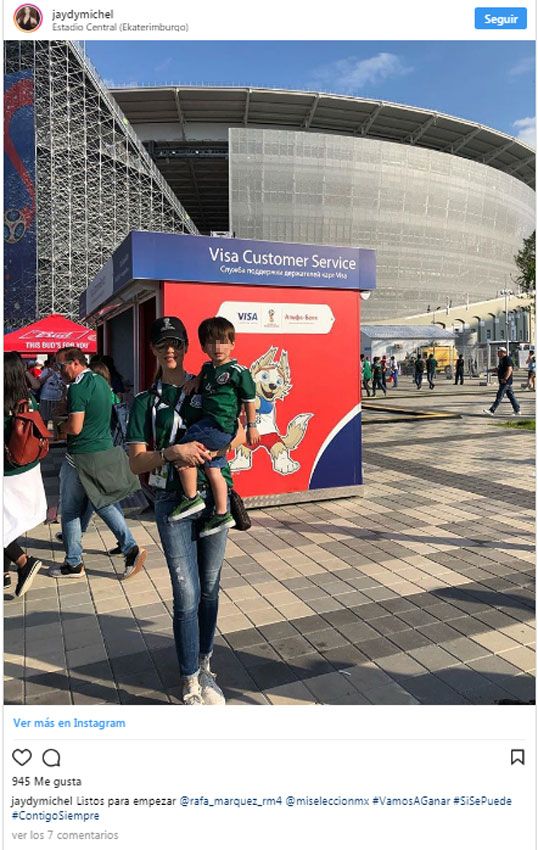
column 218, row 522
column 187, row 507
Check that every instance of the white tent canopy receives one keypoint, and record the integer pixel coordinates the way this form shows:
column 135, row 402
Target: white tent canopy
column 400, row 340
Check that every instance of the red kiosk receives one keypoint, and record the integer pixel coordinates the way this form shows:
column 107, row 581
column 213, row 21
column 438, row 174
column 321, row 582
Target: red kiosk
column 296, row 311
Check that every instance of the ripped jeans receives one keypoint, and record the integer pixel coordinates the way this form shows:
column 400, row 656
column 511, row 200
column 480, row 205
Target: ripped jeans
column 195, row 565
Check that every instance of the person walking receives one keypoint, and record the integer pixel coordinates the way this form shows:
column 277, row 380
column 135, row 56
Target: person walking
column 419, row 371
column 383, row 365
column 460, row 367
column 52, row 390
column 531, row 370
column 531, row 374
column 157, row 416
column 25, row 503
column 99, row 368
column 366, row 373
column 394, row 369
column 431, row 370
column 505, row 371
column 377, row 382
column 89, row 441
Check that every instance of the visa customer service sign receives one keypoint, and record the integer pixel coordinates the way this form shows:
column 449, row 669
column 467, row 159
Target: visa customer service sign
column 171, row 256
column 167, row 256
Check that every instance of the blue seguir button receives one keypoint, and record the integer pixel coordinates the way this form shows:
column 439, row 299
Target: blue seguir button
column 500, row 18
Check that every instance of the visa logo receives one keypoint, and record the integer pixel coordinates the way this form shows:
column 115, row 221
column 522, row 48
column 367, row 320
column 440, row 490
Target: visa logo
column 247, row 317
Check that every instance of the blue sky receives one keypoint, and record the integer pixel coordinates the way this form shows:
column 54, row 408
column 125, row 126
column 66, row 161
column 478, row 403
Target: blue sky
column 488, row 82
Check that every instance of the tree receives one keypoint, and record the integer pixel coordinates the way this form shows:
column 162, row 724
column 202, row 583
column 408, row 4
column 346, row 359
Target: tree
column 525, row 261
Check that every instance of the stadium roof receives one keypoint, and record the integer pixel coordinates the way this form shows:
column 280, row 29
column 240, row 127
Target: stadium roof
column 413, row 332
column 194, row 160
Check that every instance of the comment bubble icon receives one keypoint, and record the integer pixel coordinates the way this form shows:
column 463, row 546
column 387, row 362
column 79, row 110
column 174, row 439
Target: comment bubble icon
column 51, row 758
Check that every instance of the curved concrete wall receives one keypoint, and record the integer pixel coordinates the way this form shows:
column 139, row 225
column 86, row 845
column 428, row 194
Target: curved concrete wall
column 444, row 228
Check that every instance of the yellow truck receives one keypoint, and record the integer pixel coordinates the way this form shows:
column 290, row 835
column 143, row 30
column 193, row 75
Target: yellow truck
column 444, row 354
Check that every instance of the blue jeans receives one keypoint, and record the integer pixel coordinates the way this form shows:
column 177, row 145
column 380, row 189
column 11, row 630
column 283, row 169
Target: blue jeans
column 86, row 516
column 505, row 389
column 378, row 385
column 213, row 438
column 75, row 509
column 195, row 566
column 395, row 379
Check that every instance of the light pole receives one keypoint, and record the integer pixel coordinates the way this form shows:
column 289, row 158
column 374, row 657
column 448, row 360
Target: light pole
column 506, row 293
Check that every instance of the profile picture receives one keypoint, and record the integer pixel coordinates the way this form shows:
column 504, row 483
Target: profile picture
column 28, row 18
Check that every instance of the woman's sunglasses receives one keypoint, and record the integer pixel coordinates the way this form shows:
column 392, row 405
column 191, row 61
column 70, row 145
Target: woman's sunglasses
column 165, row 345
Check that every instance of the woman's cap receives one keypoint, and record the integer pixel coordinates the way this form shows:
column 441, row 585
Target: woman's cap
column 169, row 327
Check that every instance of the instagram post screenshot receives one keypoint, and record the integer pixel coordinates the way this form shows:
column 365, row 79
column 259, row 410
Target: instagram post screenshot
column 269, row 425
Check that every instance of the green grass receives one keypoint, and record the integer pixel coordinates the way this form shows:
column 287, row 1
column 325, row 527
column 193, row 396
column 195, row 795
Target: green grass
column 520, row 424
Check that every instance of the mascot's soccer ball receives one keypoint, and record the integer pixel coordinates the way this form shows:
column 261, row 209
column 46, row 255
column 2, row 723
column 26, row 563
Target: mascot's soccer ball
column 14, row 226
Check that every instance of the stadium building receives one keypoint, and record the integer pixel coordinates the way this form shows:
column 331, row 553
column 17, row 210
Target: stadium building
column 444, row 202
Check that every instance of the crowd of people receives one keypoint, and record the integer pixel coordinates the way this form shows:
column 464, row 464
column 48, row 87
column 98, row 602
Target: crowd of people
column 179, row 432
column 57, row 389
column 382, row 372
column 377, row 373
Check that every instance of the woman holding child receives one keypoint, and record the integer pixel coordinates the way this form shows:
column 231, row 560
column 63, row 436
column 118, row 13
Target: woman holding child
column 193, row 545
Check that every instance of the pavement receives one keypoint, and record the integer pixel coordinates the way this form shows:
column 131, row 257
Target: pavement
column 420, row 590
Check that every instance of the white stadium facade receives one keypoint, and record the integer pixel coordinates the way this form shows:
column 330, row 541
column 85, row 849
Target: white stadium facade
column 446, row 203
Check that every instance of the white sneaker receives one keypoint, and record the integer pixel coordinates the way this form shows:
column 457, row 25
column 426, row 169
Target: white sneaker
column 191, row 690
column 516, row 413
column 211, row 693
column 487, row 411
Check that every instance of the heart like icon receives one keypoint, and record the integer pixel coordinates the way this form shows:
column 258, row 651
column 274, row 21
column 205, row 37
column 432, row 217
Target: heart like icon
column 22, row 757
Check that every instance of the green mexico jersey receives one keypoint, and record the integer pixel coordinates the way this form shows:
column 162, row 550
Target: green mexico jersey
column 223, row 389
column 90, row 394
column 140, row 427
